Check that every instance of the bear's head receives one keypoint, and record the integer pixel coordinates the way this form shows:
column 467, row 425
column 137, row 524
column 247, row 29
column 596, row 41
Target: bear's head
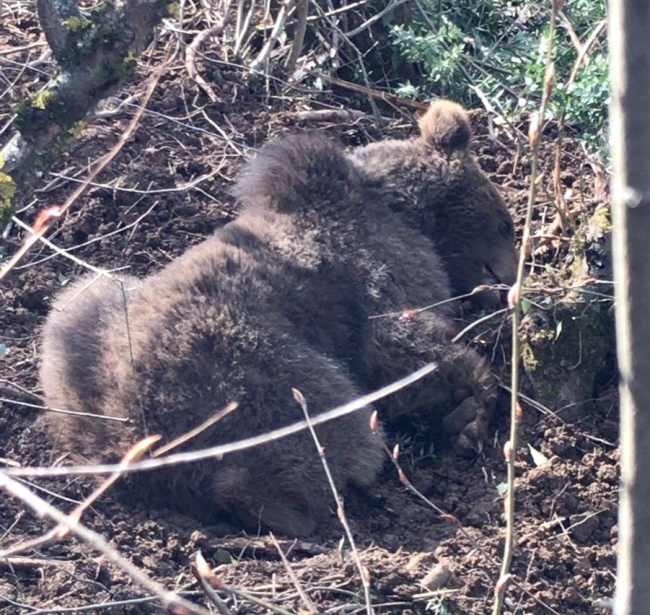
column 438, row 187
column 302, row 174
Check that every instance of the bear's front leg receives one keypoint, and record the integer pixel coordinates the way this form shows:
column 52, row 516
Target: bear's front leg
column 456, row 398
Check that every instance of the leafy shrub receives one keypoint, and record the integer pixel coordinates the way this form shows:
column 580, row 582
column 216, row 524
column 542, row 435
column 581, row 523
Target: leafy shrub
column 500, row 48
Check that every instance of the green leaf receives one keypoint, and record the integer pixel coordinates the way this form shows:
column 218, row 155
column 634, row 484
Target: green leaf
column 223, row 557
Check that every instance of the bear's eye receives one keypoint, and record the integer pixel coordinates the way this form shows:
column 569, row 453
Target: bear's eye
column 506, row 229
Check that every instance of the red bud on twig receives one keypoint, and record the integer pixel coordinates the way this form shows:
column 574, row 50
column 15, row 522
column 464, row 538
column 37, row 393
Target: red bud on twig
column 374, row 421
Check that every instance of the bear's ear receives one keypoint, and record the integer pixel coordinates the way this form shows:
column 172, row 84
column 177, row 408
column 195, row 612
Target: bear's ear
column 446, row 126
column 298, row 174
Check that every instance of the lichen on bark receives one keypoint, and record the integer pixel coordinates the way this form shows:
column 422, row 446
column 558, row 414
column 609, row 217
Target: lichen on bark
column 95, row 52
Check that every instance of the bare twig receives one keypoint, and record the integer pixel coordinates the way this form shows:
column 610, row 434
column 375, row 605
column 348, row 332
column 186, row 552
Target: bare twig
column 514, row 300
column 373, row 93
column 61, row 411
column 364, row 574
column 333, row 115
column 213, row 581
column 240, row 445
column 193, row 47
column 307, row 601
column 286, row 7
column 197, row 430
column 366, row 24
column 100, row 166
column 43, row 509
column 299, row 35
column 203, row 574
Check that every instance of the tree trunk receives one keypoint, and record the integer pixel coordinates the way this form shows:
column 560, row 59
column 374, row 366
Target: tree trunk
column 630, row 128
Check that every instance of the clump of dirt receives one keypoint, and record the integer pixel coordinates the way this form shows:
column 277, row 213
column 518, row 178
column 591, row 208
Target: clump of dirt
column 169, row 188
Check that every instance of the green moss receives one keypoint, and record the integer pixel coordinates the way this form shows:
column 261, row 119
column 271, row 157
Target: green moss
column 564, row 351
column 77, row 24
column 76, row 128
column 7, row 191
column 602, row 218
column 42, row 99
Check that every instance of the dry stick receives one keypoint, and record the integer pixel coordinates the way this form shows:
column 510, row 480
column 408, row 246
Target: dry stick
column 394, row 457
column 334, row 12
column 102, row 163
column 376, row 17
column 514, row 300
column 240, row 445
column 217, row 416
column 192, row 48
column 216, row 583
column 61, row 531
column 340, row 508
column 285, row 8
column 477, row 322
column 583, row 51
column 387, row 96
column 239, row 26
column 332, row 115
column 339, row 33
column 242, row 28
column 202, row 572
column 299, row 36
column 311, row 607
column 61, row 251
column 43, row 509
column 409, row 313
column 99, row 417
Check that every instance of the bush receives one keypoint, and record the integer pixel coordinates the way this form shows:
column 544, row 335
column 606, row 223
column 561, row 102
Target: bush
column 500, row 48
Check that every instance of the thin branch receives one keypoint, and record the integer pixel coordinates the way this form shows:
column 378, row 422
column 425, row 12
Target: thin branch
column 299, row 35
column 42, row 509
column 193, row 47
column 286, row 7
column 99, row 167
column 514, row 300
column 240, row 445
column 340, row 507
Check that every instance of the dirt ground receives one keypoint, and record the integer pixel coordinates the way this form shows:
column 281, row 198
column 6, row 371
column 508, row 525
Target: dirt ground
column 168, row 189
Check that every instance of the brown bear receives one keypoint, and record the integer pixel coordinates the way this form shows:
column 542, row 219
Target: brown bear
column 439, row 189
column 280, row 298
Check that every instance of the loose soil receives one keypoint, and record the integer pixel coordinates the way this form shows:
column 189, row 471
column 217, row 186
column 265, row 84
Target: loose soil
column 168, row 189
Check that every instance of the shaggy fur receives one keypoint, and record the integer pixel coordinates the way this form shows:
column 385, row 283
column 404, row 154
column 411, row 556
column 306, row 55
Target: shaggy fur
column 280, row 298
column 438, row 187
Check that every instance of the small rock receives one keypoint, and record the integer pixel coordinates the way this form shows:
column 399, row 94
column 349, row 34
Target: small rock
column 437, row 577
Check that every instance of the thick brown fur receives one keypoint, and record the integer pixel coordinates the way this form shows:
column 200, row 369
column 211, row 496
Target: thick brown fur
column 280, row 298
column 440, row 190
